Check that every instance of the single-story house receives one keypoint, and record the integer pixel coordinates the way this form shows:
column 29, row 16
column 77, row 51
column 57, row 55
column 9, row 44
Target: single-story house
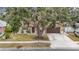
column 32, row 30
column 55, row 29
column 2, row 27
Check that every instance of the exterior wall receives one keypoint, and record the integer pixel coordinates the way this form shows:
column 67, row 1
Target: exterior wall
column 2, row 29
column 48, row 30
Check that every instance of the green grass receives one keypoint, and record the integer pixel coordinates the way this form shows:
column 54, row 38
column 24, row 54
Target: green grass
column 24, row 37
column 73, row 37
column 24, row 45
column 21, row 37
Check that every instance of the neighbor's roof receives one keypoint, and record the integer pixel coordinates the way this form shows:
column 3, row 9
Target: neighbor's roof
column 2, row 23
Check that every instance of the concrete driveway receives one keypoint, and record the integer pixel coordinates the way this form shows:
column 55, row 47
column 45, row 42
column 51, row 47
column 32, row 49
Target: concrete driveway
column 61, row 41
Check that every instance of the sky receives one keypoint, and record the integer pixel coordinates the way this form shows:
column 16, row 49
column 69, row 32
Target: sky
column 39, row 3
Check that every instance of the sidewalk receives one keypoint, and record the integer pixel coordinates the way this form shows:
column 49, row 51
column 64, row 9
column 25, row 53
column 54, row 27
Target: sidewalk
column 61, row 41
column 40, row 41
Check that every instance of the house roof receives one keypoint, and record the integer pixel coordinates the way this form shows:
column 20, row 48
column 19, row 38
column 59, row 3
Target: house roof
column 2, row 23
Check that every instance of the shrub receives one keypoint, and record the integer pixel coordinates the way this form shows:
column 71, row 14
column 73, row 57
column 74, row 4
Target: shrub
column 8, row 31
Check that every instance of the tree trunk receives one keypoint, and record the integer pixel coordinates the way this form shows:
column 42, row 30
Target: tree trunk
column 20, row 30
column 39, row 32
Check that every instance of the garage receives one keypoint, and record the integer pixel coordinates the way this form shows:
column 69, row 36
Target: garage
column 53, row 30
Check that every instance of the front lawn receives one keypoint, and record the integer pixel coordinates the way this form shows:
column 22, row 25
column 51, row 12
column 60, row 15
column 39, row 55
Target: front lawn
column 73, row 37
column 21, row 37
column 24, row 45
column 25, row 37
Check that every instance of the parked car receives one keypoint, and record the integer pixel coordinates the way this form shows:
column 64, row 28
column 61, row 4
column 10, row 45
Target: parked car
column 77, row 32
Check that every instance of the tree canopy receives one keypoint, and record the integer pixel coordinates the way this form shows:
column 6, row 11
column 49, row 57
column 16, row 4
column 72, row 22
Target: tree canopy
column 41, row 17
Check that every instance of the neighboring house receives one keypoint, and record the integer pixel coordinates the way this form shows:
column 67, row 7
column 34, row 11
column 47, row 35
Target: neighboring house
column 77, row 25
column 77, row 28
column 2, row 27
column 68, row 28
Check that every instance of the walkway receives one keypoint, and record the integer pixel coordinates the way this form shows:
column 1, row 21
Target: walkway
column 61, row 41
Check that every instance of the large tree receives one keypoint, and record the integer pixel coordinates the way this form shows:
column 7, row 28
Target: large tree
column 42, row 18
column 16, row 17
